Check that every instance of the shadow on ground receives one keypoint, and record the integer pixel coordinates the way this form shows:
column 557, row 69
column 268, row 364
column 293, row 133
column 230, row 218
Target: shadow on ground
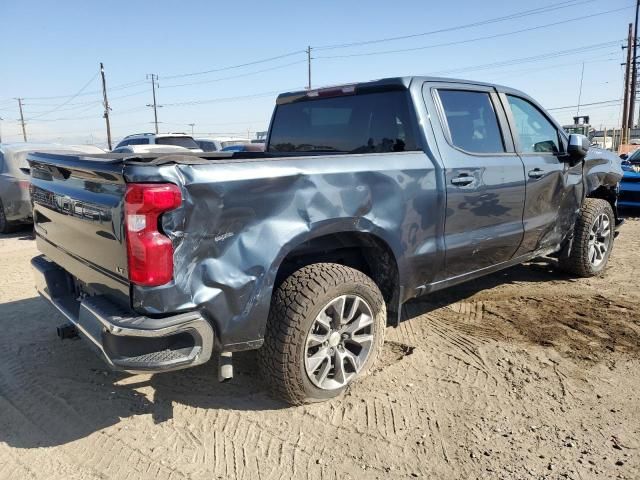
column 54, row 392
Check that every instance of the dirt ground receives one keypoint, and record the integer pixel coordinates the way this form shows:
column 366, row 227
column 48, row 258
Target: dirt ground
column 523, row 374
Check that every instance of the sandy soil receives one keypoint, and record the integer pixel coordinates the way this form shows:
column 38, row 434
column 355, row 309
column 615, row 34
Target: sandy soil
column 524, row 374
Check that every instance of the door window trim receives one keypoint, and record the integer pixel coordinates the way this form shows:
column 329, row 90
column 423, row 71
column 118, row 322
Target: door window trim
column 503, row 125
column 514, row 131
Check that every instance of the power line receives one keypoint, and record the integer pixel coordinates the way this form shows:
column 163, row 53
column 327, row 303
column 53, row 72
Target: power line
column 229, row 99
column 535, row 58
column 614, row 102
column 84, row 87
column 535, row 11
column 235, row 76
column 471, row 40
column 255, row 62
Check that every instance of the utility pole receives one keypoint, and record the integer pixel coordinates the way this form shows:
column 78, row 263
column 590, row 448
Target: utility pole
column 580, row 92
column 24, row 129
column 155, row 106
column 624, row 137
column 106, row 105
column 1, row 119
column 309, row 67
column 632, row 98
column 191, row 125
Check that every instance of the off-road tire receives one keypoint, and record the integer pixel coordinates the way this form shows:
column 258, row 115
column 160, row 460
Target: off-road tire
column 295, row 305
column 577, row 262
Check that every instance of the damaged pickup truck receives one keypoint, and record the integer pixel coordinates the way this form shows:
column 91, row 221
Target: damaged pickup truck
column 367, row 195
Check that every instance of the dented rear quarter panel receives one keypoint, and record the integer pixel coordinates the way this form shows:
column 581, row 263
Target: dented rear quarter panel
column 240, row 219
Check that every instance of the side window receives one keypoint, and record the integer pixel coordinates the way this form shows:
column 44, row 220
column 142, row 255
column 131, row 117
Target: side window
column 536, row 133
column 138, row 141
column 472, row 121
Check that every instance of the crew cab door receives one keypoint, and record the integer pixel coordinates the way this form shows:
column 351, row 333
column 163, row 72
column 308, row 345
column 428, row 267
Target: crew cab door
column 554, row 187
column 484, row 177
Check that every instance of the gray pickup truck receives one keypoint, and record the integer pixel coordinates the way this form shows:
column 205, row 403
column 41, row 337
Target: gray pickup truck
column 368, row 195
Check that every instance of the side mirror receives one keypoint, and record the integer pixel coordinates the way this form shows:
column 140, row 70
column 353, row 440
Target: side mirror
column 624, row 156
column 578, row 147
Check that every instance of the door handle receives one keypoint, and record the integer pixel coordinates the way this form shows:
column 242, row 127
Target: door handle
column 536, row 173
column 462, row 180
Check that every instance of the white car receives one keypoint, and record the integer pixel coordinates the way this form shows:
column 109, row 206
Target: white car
column 217, row 144
column 151, row 149
column 176, row 139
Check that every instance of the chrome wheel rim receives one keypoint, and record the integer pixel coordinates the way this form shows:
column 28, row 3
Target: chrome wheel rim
column 599, row 240
column 339, row 342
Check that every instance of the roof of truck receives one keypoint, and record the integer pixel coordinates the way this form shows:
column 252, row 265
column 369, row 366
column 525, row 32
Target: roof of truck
column 391, row 83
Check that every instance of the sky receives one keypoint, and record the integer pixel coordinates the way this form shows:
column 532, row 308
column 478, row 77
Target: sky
column 220, row 65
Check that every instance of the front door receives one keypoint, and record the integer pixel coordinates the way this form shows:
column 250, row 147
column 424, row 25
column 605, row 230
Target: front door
column 554, row 188
column 484, row 177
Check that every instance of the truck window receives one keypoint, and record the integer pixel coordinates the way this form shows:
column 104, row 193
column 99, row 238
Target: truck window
column 365, row 123
column 473, row 124
column 537, row 134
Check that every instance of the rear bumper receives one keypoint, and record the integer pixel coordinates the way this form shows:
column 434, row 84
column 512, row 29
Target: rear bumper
column 125, row 340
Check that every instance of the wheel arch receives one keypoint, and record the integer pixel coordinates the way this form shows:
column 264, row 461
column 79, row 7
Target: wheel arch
column 363, row 250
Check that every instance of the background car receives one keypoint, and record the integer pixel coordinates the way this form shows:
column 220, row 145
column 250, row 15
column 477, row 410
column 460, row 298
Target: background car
column 150, row 149
column 176, row 139
column 218, row 144
column 15, row 203
column 247, row 147
column 630, row 184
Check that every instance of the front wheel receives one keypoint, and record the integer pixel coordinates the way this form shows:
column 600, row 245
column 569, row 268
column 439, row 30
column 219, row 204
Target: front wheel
column 325, row 330
column 592, row 241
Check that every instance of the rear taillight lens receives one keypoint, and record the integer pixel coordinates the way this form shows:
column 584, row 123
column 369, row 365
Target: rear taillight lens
column 149, row 251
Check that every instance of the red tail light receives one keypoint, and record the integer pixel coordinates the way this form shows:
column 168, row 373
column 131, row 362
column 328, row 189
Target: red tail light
column 149, row 251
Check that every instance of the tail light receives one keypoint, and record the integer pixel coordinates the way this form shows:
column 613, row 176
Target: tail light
column 149, row 251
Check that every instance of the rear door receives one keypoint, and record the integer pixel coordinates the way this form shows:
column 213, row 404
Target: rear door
column 484, row 177
column 554, row 188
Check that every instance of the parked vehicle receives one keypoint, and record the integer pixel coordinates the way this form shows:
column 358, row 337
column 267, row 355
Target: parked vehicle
column 149, row 149
column 246, row 147
column 218, row 144
column 368, row 195
column 15, row 204
column 630, row 184
column 177, row 139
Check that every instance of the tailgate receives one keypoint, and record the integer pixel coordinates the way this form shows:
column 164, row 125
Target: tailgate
column 79, row 219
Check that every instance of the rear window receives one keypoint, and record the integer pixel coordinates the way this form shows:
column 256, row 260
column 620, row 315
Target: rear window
column 365, row 123
column 186, row 142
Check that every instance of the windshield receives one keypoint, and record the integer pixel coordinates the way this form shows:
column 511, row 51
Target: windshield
column 186, row 142
column 634, row 157
column 365, row 123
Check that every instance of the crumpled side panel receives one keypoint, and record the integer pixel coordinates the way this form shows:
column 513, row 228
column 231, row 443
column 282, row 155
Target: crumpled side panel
column 601, row 168
column 239, row 220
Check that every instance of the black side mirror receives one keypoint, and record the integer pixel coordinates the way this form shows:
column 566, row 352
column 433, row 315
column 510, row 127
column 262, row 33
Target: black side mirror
column 578, row 147
column 624, row 156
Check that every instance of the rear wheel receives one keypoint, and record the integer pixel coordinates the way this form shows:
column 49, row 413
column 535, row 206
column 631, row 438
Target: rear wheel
column 592, row 241
column 325, row 330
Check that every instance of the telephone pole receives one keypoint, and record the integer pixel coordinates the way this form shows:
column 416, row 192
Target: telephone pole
column 627, row 89
column 634, row 64
column 1, row 119
column 309, row 67
column 24, row 129
column 106, row 105
column 155, row 106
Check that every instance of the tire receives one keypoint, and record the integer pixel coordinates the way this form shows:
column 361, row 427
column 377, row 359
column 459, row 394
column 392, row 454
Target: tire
column 304, row 325
column 5, row 226
column 592, row 241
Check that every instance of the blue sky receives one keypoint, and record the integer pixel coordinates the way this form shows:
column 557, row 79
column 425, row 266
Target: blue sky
column 52, row 49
